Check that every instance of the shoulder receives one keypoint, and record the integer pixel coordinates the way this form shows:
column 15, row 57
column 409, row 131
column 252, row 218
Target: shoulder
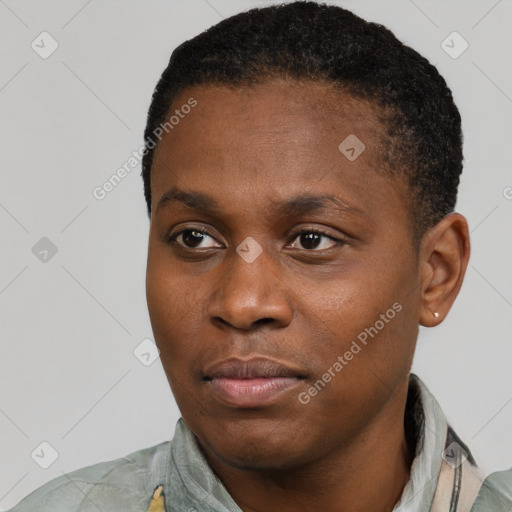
column 123, row 484
column 495, row 493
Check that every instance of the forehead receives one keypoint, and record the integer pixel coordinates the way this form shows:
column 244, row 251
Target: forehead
column 273, row 140
column 295, row 117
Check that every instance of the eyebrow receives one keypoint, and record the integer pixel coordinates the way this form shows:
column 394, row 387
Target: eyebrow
column 305, row 203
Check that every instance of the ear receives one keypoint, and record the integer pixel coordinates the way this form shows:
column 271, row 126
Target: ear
column 444, row 256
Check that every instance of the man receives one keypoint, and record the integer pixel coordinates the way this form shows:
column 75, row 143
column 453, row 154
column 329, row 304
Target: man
column 301, row 174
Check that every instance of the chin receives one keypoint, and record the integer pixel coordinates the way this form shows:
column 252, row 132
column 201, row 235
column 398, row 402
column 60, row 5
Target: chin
column 260, row 457
column 251, row 446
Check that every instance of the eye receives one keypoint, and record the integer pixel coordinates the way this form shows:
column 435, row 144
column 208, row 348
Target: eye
column 192, row 239
column 312, row 239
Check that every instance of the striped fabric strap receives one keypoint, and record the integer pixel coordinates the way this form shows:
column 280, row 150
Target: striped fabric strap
column 459, row 480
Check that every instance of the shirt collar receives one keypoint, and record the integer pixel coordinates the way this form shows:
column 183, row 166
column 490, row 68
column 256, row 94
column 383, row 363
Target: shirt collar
column 424, row 414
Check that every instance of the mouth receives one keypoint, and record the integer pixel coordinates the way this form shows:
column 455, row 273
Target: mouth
column 253, row 383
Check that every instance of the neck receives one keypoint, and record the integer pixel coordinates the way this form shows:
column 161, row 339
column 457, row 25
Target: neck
column 368, row 474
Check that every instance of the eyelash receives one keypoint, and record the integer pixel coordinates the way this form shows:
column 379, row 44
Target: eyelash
column 171, row 239
column 338, row 242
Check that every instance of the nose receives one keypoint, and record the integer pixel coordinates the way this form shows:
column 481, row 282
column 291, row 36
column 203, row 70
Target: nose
column 250, row 294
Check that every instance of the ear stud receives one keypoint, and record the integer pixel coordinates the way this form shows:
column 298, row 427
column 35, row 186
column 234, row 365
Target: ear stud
column 436, row 314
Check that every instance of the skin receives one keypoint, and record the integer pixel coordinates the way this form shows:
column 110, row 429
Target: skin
column 300, row 303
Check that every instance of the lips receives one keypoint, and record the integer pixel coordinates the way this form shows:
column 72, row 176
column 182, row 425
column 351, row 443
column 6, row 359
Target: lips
column 253, row 383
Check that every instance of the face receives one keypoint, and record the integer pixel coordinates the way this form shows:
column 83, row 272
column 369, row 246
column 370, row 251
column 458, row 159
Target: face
column 282, row 274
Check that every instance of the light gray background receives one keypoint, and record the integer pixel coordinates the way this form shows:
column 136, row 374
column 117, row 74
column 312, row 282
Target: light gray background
column 68, row 327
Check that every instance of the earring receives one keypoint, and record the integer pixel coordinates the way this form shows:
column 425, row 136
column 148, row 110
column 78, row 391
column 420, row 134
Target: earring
column 436, row 314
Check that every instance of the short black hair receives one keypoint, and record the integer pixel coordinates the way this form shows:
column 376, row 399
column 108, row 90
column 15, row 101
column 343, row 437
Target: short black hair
column 306, row 40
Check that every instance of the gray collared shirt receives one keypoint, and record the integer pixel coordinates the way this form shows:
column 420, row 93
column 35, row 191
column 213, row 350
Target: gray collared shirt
column 127, row 484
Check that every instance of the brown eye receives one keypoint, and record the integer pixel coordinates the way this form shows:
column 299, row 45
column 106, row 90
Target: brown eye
column 311, row 240
column 192, row 239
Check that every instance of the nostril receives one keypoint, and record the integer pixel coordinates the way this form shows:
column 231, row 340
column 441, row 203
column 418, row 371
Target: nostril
column 264, row 321
column 218, row 320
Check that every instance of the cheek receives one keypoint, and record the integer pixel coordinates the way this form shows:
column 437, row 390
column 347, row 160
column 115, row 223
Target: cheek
column 172, row 302
column 171, row 305
column 367, row 317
